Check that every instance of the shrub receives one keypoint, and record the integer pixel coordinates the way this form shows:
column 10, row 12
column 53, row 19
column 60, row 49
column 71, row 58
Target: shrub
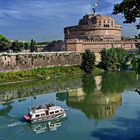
column 88, row 61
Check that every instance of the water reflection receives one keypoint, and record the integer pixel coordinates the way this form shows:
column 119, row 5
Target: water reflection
column 23, row 90
column 96, row 105
column 5, row 109
column 43, row 127
column 117, row 82
column 99, row 96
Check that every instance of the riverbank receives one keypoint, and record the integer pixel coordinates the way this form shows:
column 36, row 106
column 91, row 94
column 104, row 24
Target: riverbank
column 42, row 73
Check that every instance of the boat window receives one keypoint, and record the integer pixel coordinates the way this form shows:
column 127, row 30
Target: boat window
column 37, row 115
column 51, row 112
column 42, row 114
column 56, row 111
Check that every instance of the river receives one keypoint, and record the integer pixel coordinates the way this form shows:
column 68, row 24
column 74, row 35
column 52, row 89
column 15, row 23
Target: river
column 104, row 107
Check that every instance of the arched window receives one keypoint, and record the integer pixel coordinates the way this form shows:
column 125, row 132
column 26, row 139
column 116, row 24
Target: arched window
column 111, row 23
column 99, row 22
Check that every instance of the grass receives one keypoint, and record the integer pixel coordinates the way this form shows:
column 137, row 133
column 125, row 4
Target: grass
column 42, row 73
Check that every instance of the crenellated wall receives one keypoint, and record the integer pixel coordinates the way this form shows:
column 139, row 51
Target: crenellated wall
column 97, row 46
column 23, row 61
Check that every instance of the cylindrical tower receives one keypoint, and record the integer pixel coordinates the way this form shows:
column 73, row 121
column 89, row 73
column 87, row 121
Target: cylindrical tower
column 94, row 27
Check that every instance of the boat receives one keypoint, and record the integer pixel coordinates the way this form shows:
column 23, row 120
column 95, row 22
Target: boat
column 44, row 112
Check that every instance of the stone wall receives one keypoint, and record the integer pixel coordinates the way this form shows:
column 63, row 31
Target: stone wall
column 97, row 46
column 23, row 61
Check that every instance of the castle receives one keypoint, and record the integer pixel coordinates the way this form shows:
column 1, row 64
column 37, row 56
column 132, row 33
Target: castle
column 96, row 32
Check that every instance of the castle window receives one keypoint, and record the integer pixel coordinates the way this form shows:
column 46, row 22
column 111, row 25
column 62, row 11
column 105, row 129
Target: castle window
column 99, row 22
column 106, row 25
column 112, row 23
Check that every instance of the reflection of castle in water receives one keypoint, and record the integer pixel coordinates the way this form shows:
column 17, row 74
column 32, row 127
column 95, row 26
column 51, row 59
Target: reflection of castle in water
column 42, row 127
column 95, row 105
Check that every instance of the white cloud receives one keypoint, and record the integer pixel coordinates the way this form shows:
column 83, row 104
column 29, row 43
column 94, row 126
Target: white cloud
column 43, row 9
column 49, row 14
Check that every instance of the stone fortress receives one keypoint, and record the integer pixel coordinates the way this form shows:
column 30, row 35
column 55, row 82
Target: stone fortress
column 96, row 32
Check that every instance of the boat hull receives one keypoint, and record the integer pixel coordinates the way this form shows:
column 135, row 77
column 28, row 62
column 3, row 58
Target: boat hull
column 48, row 118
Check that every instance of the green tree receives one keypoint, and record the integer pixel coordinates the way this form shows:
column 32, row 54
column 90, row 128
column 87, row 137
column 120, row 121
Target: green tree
column 130, row 9
column 138, row 44
column 21, row 46
column 15, row 46
column 88, row 61
column 26, row 45
column 113, row 58
column 4, row 43
column 136, row 64
column 33, row 47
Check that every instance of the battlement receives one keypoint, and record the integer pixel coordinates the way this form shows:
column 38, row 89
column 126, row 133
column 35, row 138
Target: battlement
column 101, row 41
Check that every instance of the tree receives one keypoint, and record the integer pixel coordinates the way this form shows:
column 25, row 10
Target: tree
column 136, row 64
column 4, row 43
column 26, row 46
column 130, row 9
column 113, row 58
column 138, row 44
column 15, row 46
column 33, row 48
column 88, row 61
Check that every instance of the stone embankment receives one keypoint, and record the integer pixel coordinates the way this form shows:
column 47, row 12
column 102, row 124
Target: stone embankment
column 25, row 61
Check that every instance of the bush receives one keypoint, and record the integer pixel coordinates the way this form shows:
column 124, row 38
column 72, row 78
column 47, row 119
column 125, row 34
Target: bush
column 114, row 58
column 136, row 64
column 88, row 61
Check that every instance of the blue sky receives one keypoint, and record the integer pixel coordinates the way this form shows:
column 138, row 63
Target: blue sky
column 44, row 20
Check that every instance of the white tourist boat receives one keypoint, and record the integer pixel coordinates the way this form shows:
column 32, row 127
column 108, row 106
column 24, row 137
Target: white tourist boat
column 44, row 113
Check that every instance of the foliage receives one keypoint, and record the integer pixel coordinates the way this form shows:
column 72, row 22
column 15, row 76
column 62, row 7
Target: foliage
column 130, row 9
column 115, row 82
column 88, row 84
column 88, row 61
column 138, row 44
column 113, row 58
column 42, row 43
column 39, row 73
column 33, row 47
column 56, row 45
column 26, row 45
column 16, row 45
column 136, row 64
column 4, row 43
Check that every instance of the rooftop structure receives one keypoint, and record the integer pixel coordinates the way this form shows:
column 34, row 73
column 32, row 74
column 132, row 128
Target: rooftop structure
column 96, row 32
column 94, row 27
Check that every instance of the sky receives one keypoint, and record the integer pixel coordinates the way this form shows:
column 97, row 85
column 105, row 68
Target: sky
column 44, row 20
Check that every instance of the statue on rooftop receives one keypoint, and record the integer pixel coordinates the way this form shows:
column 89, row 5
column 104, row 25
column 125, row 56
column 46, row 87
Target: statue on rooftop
column 94, row 5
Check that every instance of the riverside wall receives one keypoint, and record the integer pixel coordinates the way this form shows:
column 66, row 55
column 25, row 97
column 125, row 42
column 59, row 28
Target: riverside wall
column 25, row 61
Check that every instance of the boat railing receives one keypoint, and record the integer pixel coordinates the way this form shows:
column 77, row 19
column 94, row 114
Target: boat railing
column 45, row 106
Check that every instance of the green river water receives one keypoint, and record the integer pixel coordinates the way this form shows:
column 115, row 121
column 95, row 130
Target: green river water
column 104, row 107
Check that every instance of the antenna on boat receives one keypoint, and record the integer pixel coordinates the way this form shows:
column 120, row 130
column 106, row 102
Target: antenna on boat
column 33, row 98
